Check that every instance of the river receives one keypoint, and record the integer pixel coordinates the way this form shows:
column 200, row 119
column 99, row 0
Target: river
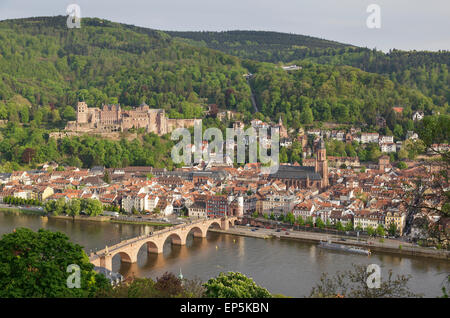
column 285, row 267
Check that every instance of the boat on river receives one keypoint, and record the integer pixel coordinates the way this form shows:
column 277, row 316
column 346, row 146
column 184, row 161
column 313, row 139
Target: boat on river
column 344, row 248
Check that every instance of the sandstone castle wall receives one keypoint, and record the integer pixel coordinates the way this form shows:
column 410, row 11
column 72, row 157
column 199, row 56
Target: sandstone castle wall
column 111, row 118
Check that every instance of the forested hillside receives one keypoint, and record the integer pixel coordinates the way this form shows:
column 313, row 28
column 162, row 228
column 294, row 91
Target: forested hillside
column 328, row 93
column 261, row 45
column 425, row 71
column 51, row 65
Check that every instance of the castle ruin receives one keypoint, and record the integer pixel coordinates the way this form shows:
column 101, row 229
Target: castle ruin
column 111, row 118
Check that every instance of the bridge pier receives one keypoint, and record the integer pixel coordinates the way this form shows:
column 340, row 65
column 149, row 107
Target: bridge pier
column 224, row 224
column 106, row 261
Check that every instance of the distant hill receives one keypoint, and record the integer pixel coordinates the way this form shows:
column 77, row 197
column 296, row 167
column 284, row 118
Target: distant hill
column 260, row 45
column 426, row 71
column 47, row 63
column 105, row 62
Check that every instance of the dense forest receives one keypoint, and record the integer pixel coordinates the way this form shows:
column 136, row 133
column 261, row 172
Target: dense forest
column 49, row 64
column 261, row 45
column 45, row 68
column 425, row 71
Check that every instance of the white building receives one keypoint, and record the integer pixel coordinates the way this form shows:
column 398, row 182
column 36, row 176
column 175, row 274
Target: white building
column 198, row 209
column 388, row 147
column 386, row 139
column 369, row 137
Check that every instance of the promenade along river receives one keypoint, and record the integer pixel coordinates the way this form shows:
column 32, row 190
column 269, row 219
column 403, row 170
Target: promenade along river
column 286, row 267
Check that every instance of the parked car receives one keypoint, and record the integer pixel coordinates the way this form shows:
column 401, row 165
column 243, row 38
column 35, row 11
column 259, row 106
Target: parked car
column 287, row 233
column 278, row 230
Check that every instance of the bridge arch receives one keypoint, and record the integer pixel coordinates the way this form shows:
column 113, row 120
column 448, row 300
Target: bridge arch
column 175, row 238
column 215, row 224
column 152, row 247
column 197, row 232
column 124, row 257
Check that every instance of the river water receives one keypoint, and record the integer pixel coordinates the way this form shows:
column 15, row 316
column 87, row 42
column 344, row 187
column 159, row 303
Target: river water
column 285, row 267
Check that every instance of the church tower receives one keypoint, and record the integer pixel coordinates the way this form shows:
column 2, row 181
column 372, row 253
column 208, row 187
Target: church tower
column 283, row 130
column 322, row 163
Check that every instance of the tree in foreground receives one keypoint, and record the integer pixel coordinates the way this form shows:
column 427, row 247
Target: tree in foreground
column 234, row 285
column 166, row 286
column 169, row 285
column 353, row 284
column 34, row 264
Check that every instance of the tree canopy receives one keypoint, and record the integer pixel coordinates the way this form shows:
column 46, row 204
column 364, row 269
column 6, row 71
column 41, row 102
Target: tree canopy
column 34, row 264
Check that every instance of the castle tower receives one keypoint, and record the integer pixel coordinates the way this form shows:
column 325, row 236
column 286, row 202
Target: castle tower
column 240, row 212
column 321, row 165
column 82, row 113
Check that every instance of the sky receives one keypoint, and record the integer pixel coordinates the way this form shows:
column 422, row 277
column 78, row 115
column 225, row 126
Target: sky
column 404, row 24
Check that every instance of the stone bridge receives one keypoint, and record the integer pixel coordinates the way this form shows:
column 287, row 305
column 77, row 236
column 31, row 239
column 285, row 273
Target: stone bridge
column 129, row 249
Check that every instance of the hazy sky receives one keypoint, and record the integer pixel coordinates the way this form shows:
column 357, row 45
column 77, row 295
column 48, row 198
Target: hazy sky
column 405, row 24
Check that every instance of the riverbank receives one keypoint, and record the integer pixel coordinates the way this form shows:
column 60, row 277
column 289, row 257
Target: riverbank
column 22, row 211
column 141, row 223
column 81, row 218
column 388, row 246
column 102, row 218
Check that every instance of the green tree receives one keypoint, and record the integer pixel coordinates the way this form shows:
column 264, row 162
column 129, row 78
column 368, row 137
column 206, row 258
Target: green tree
column 392, row 229
column 106, row 177
column 319, row 223
column 358, row 227
column 349, row 226
column 300, row 220
column 307, row 115
column 234, row 285
column 290, row 218
column 339, row 226
column 92, row 207
column 34, row 264
column 74, row 207
column 380, row 230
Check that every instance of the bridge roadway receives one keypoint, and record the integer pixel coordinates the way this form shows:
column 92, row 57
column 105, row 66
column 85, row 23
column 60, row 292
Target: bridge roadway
column 129, row 249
